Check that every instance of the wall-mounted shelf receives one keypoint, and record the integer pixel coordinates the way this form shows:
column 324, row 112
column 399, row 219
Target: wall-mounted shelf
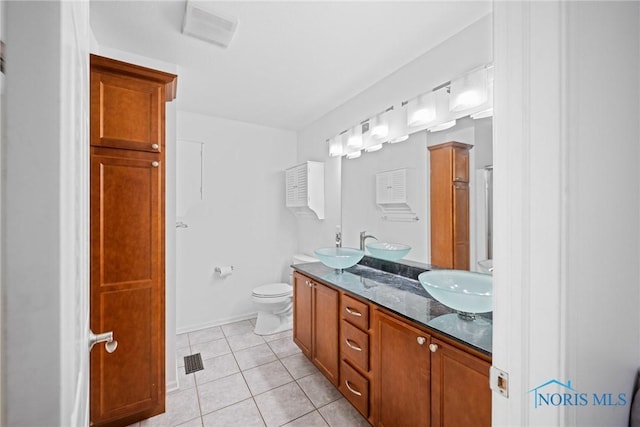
column 393, row 195
column 305, row 189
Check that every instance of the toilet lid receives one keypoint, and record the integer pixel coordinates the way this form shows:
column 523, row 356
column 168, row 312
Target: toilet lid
column 273, row 290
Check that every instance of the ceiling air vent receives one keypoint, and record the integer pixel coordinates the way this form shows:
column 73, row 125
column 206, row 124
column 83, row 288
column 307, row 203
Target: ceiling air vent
column 213, row 27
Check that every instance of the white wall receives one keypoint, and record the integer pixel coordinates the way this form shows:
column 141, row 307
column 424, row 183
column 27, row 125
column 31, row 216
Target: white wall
column 241, row 221
column 45, row 215
column 458, row 54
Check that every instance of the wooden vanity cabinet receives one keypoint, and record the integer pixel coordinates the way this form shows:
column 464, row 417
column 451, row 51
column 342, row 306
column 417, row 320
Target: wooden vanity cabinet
column 460, row 393
column 355, row 366
column 449, row 205
column 316, row 324
column 401, row 371
column 393, row 371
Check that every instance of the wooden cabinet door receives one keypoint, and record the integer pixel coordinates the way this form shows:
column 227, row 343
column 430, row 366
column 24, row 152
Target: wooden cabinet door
column 326, row 331
column 401, row 363
column 461, row 248
column 127, row 286
column 460, row 393
column 302, row 313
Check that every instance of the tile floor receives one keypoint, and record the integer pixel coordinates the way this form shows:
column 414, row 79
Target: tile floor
column 249, row 380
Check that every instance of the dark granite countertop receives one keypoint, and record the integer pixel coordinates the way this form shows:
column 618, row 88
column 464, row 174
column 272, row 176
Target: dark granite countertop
column 407, row 298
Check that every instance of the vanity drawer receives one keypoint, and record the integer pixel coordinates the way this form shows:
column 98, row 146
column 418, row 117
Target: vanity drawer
column 354, row 346
column 355, row 312
column 355, row 388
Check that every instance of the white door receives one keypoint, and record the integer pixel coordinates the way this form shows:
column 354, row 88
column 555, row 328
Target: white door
column 74, row 215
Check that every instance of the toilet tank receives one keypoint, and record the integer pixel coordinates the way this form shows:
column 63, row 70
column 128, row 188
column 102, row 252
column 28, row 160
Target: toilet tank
column 300, row 259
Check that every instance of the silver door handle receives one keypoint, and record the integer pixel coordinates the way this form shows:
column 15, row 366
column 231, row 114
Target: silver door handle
column 107, row 338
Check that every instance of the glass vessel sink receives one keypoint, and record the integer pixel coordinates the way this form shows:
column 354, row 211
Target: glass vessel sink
column 464, row 291
column 388, row 251
column 339, row 258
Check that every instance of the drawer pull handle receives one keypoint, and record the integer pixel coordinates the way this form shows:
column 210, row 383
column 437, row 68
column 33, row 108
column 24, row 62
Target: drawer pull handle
column 155, row 164
column 356, row 392
column 155, row 146
column 421, row 340
column 355, row 347
column 433, row 347
column 353, row 312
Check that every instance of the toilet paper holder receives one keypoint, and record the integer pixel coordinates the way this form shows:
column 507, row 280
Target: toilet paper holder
column 219, row 269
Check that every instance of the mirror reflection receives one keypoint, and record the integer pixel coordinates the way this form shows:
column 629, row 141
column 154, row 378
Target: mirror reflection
column 371, row 208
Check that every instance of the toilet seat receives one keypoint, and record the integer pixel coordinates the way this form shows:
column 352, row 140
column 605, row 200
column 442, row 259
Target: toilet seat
column 273, row 290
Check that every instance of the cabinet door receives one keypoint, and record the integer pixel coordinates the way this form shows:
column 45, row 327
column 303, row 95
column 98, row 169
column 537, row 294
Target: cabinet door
column 460, row 388
column 126, row 112
column 401, row 371
column 461, row 226
column 127, row 286
column 302, row 314
column 325, row 331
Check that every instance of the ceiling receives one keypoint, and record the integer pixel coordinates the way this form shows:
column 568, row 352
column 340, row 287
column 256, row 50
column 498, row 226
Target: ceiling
column 290, row 62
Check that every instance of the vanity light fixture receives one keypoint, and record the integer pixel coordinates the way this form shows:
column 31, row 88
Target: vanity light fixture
column 482, row 114
column 437, row 110
column 355, row 137
column 470, row 90
column 336, row 148
column 442, row 126
column 421, row 110
column 354, row 154
column 371, row 144
column 380, row 125
column 398, row 125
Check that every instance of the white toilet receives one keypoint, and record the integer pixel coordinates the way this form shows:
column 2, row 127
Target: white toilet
column 274, row 302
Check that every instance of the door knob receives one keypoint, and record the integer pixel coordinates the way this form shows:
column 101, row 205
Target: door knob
column 107, row 338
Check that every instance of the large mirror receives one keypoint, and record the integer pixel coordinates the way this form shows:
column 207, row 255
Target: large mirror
column 361, row 213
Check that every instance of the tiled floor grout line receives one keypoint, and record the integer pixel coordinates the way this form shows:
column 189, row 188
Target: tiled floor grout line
column 280, row 350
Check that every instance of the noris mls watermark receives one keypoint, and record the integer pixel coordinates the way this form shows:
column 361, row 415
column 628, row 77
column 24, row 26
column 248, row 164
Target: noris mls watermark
column 557, row 393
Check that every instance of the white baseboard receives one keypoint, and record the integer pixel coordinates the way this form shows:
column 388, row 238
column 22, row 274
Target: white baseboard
column 217, row 322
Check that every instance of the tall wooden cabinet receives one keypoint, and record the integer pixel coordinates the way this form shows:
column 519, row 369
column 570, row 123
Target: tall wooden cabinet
column 449, row 205
column 127, row 187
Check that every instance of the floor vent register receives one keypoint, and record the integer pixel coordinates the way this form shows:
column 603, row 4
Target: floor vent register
column 193, row 363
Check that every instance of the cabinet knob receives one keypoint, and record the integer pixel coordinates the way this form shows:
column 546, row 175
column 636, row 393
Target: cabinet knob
column 433, row 347
column 421, row 340
column 155, row 164
column 308, row 283
column 155, row 146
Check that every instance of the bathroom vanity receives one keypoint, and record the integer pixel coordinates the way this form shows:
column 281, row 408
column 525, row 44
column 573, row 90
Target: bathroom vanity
column 400, row 357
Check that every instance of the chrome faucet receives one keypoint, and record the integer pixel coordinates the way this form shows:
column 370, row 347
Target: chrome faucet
column 364, row 236
column 338, row 238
